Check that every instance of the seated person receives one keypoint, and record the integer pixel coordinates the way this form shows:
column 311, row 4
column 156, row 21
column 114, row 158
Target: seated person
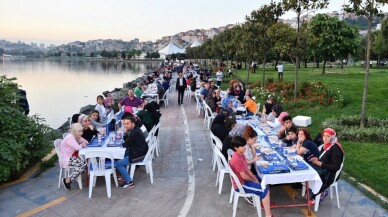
column 249, row 182
column 136, row 149
column 100, row 107
column 218, row 127
column 238, row 93
column 250, row 136
column 268, row 105
column 131, row 100
column 70, row 146
column 146, row 119
column 250, row 105
column 286, row 124
column 89, row 131
column 165, row 83
column 329, row 161
column 95, row 119
column 139, row 89
column 272, row 120
column 304, row 146
column 204, row 91
column 289, row 140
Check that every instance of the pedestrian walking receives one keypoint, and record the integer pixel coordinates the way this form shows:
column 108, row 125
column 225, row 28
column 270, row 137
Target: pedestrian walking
column 180, row 87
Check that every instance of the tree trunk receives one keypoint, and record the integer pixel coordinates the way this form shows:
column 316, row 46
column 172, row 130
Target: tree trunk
column 297, row 58
column 305, row 64
column 367, row 66
column 378, row 61
column 342, row 64
column 264, row 62
column 318, row 63
column 324, row 67
column 245, row 64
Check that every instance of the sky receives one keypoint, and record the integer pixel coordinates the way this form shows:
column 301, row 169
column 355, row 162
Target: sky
column 59, row 22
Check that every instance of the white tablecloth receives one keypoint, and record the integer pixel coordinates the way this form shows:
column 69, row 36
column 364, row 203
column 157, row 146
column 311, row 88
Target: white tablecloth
column 117, row 152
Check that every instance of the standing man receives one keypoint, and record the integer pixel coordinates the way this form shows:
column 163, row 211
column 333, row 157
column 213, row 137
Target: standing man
column 180, row 87
column 220, row 76
column 136, row 150
column 280, row 71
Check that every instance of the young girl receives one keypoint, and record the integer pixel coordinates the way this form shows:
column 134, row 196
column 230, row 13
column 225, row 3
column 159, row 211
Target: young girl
column 88, row 130
column 249, row 182
column 71, row 144
column 100, row 107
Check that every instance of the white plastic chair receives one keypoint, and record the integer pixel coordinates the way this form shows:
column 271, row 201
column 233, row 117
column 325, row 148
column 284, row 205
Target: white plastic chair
column 223, row 168
column 209, row 115
column 153, row 133
column 333, row 185
column 65, row 169
column 99, row 166
column 199, row 107
column 257, row 109
column 215, row 143
column 147, row 161
column 235, row 195
column 164, row 99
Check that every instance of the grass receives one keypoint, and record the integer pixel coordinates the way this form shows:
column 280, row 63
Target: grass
column 364, row 161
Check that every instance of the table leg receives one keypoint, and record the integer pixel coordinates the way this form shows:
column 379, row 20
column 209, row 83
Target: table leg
column 308, row 198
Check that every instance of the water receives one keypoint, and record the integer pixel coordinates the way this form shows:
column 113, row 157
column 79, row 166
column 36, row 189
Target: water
column 56, row 89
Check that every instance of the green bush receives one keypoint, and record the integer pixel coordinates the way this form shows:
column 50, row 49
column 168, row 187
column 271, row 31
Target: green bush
column 24, row 139
column 348, row 128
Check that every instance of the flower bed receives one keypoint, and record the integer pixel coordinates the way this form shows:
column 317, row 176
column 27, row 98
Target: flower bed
column 348, row 128
column 309, row 94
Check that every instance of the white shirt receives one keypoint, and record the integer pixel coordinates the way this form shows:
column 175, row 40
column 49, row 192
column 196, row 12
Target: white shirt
column 180, row 81
column 276, row 124
column 219, row 75
column 280, row 68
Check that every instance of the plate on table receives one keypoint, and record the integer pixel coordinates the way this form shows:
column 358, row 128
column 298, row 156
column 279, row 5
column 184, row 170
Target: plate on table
column 258, row 146
column 266, row 151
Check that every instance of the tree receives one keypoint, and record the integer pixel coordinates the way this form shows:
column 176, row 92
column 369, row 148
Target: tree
column 123, row 55
column 369, row 9
column 378, row 45
column 333, row 38
column 260, row 21
column 155, row 55
column 138, row 53
column 300, row 7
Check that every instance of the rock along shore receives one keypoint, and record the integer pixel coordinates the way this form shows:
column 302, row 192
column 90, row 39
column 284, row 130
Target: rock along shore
column 117, row 94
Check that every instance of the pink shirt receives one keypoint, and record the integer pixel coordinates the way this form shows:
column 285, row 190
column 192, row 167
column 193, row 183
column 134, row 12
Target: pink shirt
column 68, row 146
column 238, row 163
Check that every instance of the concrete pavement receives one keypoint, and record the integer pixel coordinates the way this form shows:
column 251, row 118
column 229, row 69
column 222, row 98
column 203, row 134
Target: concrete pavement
column 184, row 184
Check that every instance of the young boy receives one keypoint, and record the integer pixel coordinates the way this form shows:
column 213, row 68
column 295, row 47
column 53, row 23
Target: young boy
column 249, row 182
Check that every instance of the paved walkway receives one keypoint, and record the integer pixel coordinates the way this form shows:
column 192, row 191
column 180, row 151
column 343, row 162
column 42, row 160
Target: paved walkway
column 184, row 184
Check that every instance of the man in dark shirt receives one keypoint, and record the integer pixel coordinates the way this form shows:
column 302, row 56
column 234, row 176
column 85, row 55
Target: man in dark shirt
column 136, row 149
column 181, row 87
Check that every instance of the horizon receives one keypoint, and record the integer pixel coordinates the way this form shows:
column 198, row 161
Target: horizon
column 58, row 23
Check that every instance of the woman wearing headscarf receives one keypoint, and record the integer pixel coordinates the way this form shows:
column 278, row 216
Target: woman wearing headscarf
column 89, row 131
column 237, row 129
column 218, row 127
column 329, row 162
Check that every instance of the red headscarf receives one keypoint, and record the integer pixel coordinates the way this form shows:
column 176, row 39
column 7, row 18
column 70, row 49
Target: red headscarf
column 333, row 139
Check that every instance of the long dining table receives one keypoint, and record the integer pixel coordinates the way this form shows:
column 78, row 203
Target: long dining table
column 267, row 146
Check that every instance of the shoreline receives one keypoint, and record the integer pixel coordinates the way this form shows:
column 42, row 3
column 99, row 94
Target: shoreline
column 117, row 94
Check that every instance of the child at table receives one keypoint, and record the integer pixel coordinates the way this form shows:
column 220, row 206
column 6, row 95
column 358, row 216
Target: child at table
column 249, row 182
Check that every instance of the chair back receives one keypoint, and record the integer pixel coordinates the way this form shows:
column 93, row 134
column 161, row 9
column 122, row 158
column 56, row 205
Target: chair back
column 230, row 154
column 257, row 109
column 209, row 111
column 216, row 141
column 151, row 148
column 98, row 163
column 57, row 146
column 340, row 169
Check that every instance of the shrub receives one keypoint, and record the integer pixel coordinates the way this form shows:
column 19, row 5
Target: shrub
column 24, row 139
column 309, row 94
column 347, row 128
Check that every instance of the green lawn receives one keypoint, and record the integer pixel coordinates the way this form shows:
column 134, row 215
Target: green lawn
column 364, row 161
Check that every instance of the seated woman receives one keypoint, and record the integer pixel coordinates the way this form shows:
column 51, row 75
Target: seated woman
column 238, row 93
column 250, row 105
column 145, row 118
column 248, row 180
column 273, row 119
column 210, row 100
column 95, row 119
column 69, row 151
column 304, row 146
column 89, row 131
column 329, row 161
column 218, row 127
column 100, row 107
